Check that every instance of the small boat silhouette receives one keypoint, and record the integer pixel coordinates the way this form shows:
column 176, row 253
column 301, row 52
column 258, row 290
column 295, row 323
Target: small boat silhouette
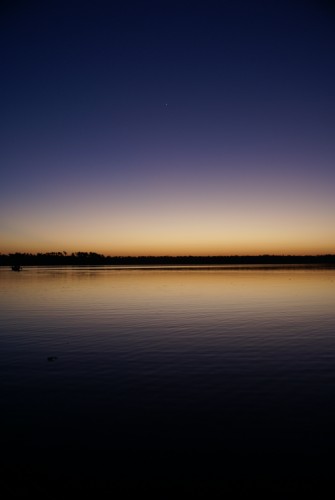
column 16, row 268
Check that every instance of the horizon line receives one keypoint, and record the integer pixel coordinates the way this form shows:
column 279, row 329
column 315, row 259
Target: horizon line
column 165, row 256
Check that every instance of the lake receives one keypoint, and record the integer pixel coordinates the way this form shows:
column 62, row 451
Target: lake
column 221, row 372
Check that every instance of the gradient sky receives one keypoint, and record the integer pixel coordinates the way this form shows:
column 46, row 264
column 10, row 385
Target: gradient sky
column 147, row 128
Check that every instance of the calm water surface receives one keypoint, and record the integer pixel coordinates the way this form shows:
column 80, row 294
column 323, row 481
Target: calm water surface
column 231, row 363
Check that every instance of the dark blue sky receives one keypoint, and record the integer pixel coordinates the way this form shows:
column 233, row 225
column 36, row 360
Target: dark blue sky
column 168, row 127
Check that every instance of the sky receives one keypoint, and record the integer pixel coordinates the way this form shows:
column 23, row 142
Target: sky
column 167, row 128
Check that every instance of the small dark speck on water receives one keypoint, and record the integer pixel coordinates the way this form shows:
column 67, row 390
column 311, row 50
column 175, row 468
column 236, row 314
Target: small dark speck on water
column 52, row 358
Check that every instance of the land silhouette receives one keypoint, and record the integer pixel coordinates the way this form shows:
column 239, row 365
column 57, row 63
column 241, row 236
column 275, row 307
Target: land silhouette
column 96, row 259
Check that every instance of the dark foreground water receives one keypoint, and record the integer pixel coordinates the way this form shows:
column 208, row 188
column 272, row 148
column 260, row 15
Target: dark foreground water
column 141, row 374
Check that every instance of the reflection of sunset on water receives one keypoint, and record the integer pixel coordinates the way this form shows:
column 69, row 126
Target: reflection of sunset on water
column 203, row 363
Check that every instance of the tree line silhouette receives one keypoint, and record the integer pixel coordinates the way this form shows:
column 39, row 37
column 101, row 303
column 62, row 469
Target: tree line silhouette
column 93, row 258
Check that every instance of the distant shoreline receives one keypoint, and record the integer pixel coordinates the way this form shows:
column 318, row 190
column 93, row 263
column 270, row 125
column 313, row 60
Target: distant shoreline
column 94, row 259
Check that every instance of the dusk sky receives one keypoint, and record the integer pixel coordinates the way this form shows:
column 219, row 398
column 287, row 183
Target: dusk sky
column 167, row 128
